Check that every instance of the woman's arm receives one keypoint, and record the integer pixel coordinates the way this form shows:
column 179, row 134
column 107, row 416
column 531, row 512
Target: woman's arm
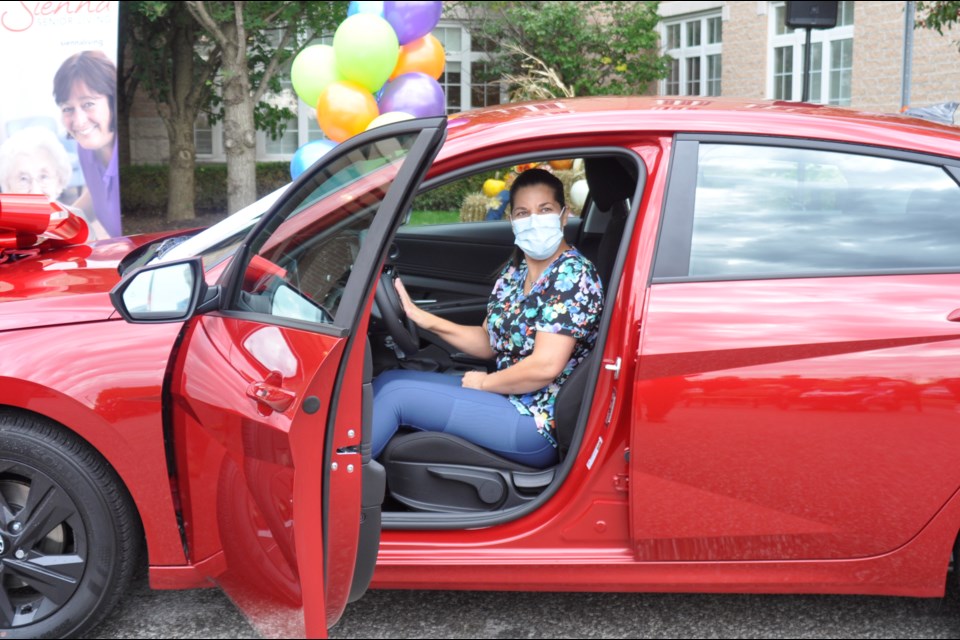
column 474, row 341
column 551, row 353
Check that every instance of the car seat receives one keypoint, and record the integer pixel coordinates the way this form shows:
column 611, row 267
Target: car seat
column 430, row 471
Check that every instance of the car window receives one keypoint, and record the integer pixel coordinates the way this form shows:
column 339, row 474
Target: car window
column 484, row 197
column 301, row 261
column 769, row 211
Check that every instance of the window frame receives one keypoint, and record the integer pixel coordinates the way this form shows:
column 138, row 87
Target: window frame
column 675, row 233
column 684, row 53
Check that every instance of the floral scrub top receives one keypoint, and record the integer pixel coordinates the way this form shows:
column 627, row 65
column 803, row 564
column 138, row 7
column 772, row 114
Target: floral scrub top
column 567, row 299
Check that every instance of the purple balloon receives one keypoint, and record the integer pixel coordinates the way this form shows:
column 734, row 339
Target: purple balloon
column 415, row 93
column 412, row 20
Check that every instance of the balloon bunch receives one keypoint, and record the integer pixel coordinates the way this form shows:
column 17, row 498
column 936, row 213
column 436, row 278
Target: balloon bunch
column 383, row 67
column 31, row 222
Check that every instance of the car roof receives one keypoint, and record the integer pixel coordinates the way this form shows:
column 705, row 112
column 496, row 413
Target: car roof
column 566, row 117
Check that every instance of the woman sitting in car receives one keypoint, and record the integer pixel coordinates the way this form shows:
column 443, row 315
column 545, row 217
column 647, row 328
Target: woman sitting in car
column 541, row 323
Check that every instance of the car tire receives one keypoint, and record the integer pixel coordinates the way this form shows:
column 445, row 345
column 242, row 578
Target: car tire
column 68, row 531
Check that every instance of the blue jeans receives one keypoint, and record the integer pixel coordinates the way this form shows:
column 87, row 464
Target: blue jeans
column 429, row 401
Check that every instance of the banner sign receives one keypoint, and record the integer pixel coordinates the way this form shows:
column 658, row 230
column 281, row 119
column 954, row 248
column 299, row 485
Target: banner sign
column 58, row 133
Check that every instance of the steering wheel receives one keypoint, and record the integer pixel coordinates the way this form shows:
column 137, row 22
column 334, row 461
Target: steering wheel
column 401, row 328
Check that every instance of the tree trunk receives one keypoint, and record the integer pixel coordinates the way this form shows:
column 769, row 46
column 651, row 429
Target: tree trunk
column 180, row 115
column 239, row 128
column 182, row 176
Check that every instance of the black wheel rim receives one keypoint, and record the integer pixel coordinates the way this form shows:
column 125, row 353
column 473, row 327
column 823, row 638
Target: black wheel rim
column 44, row 545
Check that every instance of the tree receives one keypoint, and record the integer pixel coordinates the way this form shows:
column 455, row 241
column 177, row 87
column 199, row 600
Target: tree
column 590, row 47
column 165, row 61
column 255, row 40
column 938, row 15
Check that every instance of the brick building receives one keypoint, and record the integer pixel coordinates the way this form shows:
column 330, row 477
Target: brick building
column 744, row 49
column 740, row 49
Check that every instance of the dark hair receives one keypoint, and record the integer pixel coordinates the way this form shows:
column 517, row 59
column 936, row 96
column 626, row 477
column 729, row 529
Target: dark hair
column 532, row 177
column 96, row 71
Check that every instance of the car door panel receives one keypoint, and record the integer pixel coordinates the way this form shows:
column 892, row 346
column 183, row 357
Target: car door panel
column 794, row 386
column 272, row 394
column 783, row 422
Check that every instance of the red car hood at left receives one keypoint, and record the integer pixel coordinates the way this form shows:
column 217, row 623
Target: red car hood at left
column 64, row 286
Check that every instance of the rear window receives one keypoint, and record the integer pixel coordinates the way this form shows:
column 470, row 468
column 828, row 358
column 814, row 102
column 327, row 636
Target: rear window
column 774, row 211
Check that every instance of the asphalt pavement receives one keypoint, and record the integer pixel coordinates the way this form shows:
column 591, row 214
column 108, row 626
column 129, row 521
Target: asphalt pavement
column 207, row 613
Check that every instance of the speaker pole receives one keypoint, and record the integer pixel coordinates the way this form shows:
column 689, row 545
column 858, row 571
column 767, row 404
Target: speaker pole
column 806, row 68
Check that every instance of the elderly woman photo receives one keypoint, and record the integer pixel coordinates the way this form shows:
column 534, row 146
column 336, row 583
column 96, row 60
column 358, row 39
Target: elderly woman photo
column 33, row 160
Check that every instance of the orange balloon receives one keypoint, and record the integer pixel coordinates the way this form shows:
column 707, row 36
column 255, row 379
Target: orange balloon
column 425, row 55
column 344, row 109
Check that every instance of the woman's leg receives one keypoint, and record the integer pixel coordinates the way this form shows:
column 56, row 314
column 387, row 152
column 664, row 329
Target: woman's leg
column 437, row 402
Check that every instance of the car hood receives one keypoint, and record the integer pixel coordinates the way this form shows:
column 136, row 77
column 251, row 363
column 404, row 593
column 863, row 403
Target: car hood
column 63, row 286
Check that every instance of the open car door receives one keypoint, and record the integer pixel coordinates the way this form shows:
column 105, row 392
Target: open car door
column 271, row 396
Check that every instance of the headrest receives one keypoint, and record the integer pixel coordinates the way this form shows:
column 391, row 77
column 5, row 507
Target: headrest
column 610, row 180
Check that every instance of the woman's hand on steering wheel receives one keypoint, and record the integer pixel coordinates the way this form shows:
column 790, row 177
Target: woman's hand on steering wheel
column 410, row 308
column 393, row 310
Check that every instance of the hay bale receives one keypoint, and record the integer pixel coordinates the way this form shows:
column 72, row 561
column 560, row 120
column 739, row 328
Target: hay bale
column 474, row 207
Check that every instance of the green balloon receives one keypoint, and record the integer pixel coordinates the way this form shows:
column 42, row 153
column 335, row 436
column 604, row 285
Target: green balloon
column 313, row 69
column 366, row 49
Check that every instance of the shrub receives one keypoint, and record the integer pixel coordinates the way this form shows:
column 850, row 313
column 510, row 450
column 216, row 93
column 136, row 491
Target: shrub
column 144, row 187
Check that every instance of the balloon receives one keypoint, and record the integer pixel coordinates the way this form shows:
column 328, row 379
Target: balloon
column 359, row 6
column 345, row 109
column 412, row 20
column 415, row 93
column 388, row 118
column 492, row 187
column 313, row 69
column 425, row 55
column 308, row 154
column 366, row 50
column 578, row 193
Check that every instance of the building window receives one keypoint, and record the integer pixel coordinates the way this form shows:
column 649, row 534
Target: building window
column 831, row 58
column 465, row 62
column 694, row 43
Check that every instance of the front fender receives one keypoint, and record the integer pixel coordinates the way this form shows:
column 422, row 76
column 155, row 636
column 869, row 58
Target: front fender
column 104, row 381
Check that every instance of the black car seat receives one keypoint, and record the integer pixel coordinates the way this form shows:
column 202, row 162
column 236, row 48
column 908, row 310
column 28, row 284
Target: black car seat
column 612, row 182
column 430, row 471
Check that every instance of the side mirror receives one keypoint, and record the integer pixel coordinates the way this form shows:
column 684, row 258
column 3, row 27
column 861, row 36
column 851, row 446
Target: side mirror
column 165, row 292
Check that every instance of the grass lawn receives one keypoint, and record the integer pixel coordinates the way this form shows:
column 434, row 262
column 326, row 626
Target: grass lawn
column 420, row 218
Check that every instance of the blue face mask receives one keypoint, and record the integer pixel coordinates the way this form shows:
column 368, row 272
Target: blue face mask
column 540, row 235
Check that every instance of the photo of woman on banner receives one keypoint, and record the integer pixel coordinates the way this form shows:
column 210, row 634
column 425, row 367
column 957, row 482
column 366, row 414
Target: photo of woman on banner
column 33, row 160
column 85, row 89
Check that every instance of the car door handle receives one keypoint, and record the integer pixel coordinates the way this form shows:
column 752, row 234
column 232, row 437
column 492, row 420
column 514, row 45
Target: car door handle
column 270, row 394
column 954, row 316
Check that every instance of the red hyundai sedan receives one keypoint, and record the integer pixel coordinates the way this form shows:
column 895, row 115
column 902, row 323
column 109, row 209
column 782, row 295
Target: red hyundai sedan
column 772, row 404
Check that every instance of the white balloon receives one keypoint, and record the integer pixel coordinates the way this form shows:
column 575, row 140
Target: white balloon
column 388, row 118
column 578, row 193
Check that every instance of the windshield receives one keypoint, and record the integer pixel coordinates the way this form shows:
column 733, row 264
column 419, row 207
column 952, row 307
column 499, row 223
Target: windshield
column 223, row 238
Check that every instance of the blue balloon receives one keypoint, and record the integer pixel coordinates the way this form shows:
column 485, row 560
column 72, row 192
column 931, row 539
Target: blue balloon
column 309, row 154
column 361, row 6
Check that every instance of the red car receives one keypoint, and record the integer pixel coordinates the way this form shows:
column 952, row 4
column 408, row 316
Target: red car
column 772, row 405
